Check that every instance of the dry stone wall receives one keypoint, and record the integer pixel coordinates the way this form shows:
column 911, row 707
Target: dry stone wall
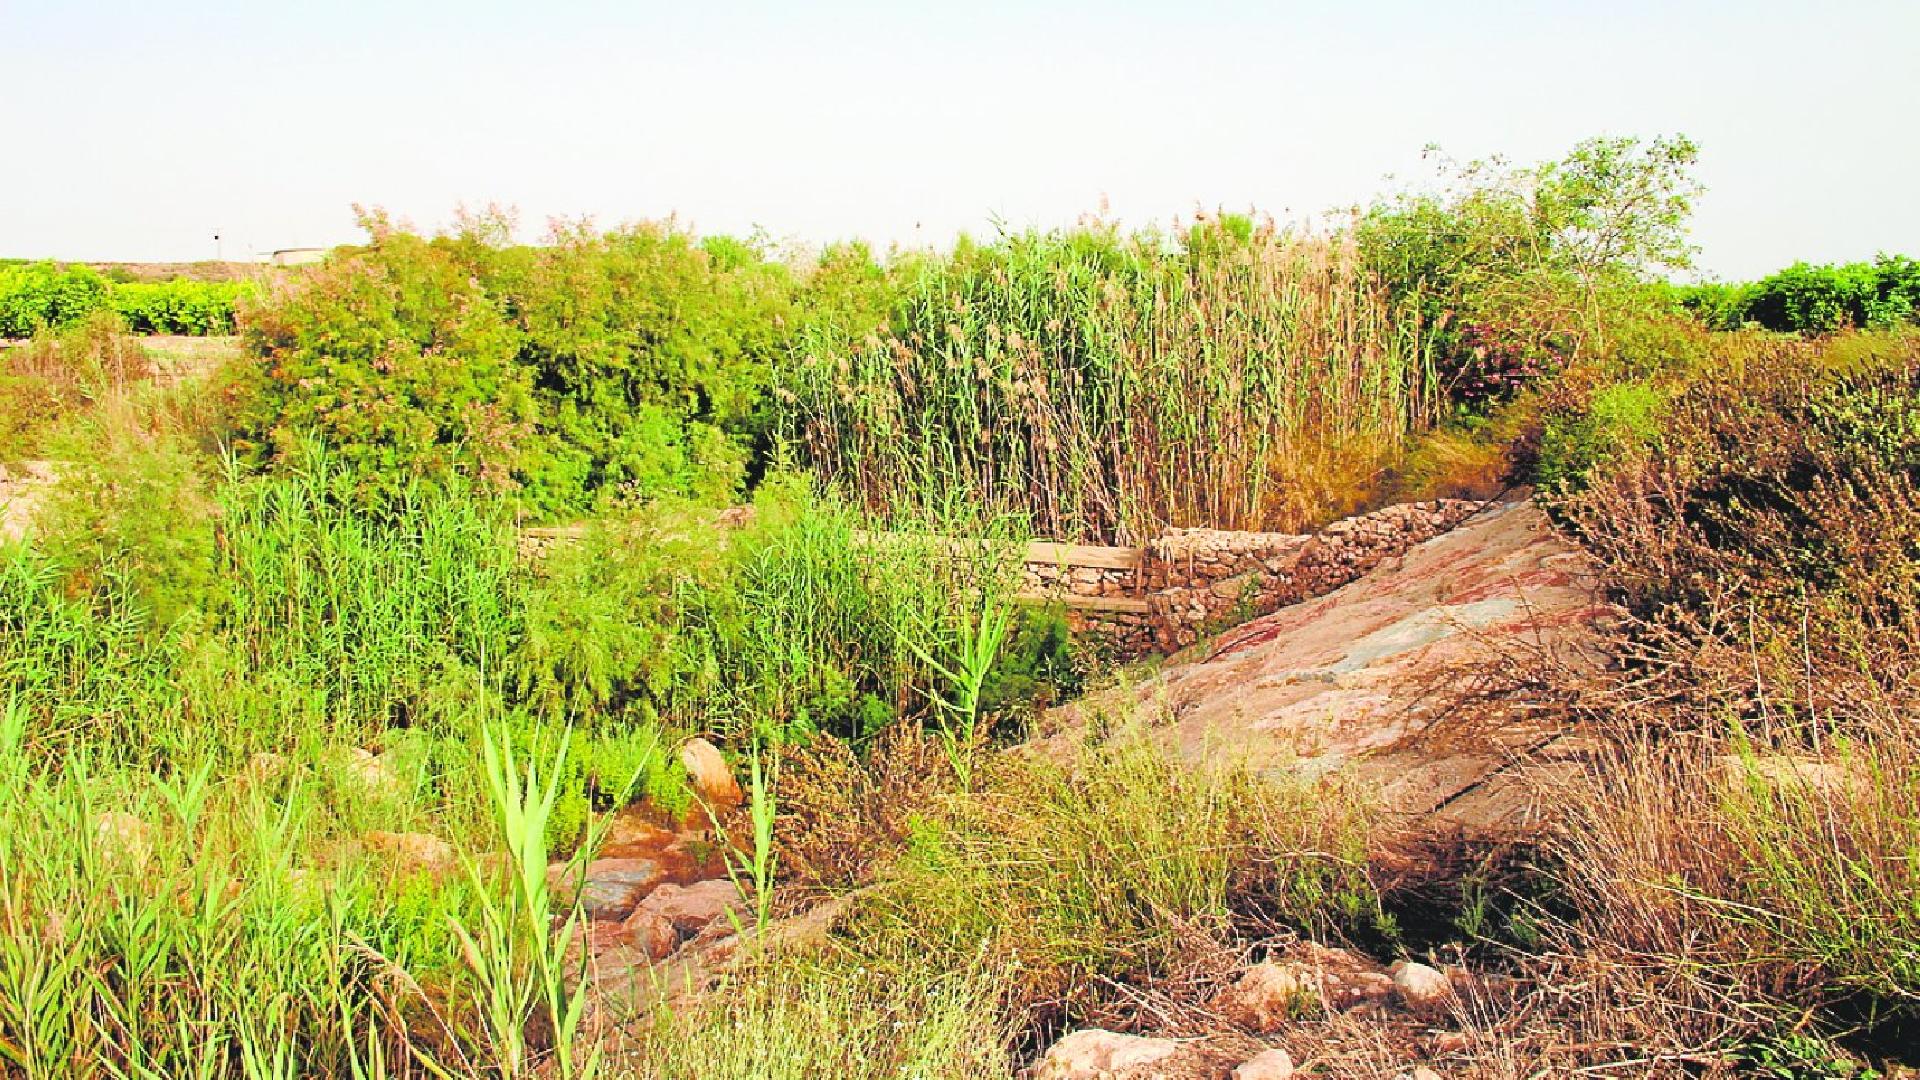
column 1188, row 582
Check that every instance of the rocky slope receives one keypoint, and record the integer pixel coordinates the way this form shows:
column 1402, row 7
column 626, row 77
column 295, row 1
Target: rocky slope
column 1404, row 677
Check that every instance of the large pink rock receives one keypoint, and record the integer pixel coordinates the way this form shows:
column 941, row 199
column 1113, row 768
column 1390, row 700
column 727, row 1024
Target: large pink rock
column 1356, row 680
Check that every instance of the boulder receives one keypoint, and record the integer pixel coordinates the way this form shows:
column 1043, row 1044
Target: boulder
column 689, row 908
column 1093, row 1054
column 608, row 889
column 1421, row 988
column 1265, row 996
column 1266, row 1065
column 650, row 933
column 711, row 778
column 411, row 853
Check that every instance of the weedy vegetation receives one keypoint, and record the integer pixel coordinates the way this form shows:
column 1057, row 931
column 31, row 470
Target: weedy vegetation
column 299, row 707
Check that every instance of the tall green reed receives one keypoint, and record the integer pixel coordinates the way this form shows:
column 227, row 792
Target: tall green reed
column 518, row 959
column 1110, row 385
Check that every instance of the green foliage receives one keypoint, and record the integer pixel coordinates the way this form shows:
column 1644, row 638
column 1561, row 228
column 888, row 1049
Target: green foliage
column 1807, row 299
column 180, row 306
column 1107, row 385
column 602, row 632
column 397, row 360
column 1819, row 299
column 1790, row 1055
column 1038, row 666
column 1531, row 262
column 517, row 951
column 1125, row 859
column 815, row 626
column 42, row 296
column 133, row 505
column 595, row 369
column 1621, row 418
column 793, row 622
column 1717, row 305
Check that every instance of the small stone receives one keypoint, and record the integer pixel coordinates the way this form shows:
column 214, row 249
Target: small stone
column 711, row 778
column 1264, row 997
column 1093, row 1054
column 1350, row 989
column 1421, row 988
column 1449, row 1042
column 1266, row 1065
column 650, row 933
column 411, row 852
column 122, row 840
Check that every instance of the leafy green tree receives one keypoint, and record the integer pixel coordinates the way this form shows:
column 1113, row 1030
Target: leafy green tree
column 1529, row 265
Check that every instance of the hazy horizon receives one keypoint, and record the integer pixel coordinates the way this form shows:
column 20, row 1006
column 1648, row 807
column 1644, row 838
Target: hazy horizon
column 139, row 133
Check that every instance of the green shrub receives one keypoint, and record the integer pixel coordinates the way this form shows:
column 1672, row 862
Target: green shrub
column 132, row 504
column 1621, row 419
column 42, row 296
column 595, row 370
column 1819, row 299
column 1531, row 263
column 1038, row 666
column 1718, row 305
column 398, row 361
column 180, row 306
column 649, row 356
column 604, row 628
column 1805, row 298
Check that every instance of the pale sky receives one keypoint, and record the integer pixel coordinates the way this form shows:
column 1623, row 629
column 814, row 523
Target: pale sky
column 137, row 130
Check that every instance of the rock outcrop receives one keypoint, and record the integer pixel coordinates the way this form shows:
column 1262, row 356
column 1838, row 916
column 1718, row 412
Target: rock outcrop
column 1394, row 678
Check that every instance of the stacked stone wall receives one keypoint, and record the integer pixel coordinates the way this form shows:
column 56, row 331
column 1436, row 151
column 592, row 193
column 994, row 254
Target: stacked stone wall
column 1190, row 582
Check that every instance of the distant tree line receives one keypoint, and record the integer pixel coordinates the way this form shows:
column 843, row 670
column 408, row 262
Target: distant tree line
column 44, row 296
column 1805, row 298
